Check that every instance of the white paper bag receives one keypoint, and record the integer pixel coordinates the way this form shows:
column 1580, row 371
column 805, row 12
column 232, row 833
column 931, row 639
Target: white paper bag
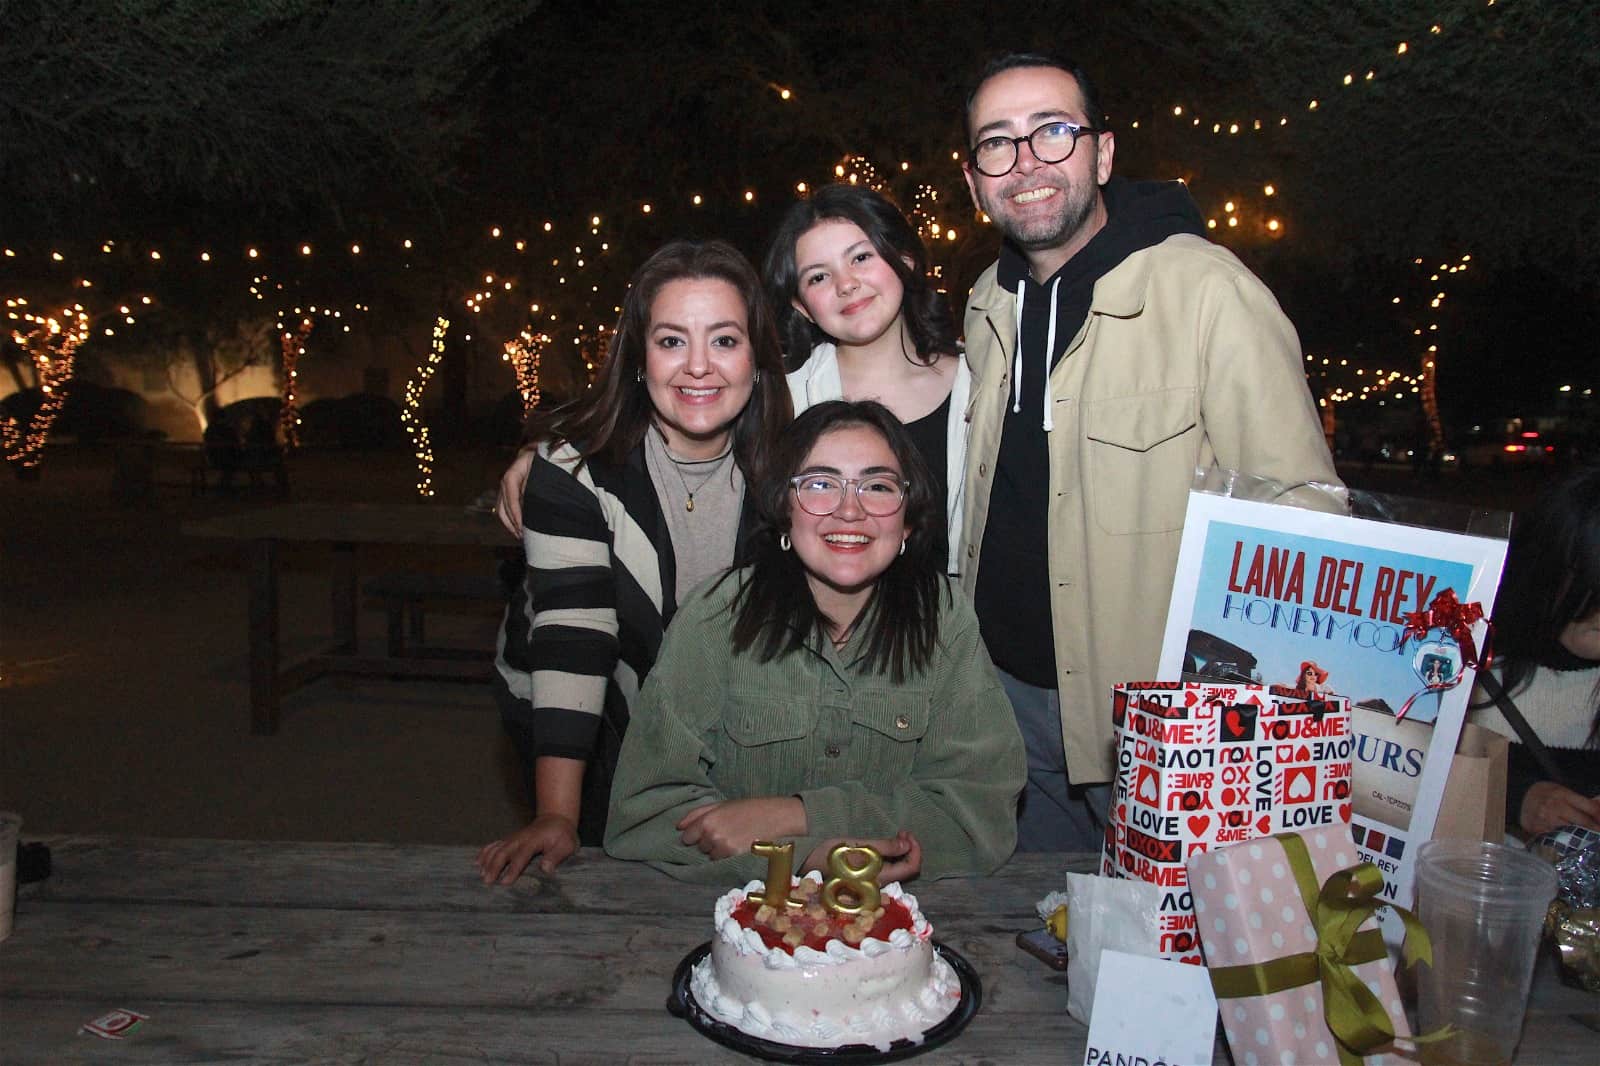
column 1105, row 912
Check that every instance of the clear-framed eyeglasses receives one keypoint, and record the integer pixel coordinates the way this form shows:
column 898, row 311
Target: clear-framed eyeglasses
column 880, row 495
column 995, row 157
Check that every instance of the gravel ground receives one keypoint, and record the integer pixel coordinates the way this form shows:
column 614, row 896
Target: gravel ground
column 123, row 673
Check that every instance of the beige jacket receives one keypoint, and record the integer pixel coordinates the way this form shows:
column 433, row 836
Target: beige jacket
column 1185, row 361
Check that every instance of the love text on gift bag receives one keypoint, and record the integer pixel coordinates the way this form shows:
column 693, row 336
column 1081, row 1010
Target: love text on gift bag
column 1204, row 765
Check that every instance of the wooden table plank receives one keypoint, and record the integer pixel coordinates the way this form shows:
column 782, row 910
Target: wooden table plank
column 275, row 952
column 535, row 961
column 427, row 877
column 178, row 1033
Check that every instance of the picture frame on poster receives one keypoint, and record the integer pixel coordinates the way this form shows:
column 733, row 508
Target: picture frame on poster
column 1281, row 594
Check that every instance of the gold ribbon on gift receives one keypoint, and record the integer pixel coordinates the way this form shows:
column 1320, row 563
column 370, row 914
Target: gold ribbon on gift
column 1337, row 910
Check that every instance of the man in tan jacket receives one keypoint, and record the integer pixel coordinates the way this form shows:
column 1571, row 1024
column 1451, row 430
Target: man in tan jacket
column 1145, row 352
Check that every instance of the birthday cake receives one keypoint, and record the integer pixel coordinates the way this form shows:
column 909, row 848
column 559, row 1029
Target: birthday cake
column 813, row 978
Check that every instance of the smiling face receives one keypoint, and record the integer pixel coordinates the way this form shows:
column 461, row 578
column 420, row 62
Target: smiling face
column 1049, row 210
column 845, row 553
column 698, row 367
column 844, row 285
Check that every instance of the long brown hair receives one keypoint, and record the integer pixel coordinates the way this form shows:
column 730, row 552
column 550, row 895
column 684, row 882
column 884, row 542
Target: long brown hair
column 927, row 315
column 775, row 613
column 1551, row 579
column 610, row 420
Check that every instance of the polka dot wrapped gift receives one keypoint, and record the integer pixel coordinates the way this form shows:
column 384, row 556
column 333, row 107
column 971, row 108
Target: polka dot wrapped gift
column 1297, row 962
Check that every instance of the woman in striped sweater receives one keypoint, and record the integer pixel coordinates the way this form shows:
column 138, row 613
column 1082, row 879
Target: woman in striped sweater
column 635, row 494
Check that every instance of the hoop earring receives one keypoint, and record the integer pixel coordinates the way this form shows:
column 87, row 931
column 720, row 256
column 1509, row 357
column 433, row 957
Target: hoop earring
column 756, row 378
column 903, row 546
column 784, row 542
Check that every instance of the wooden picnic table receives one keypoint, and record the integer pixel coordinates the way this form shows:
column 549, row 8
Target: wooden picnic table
column 331, row 953
column 343, row 527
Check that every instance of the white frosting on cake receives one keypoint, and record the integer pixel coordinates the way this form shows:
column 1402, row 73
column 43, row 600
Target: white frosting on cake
column 880, row 992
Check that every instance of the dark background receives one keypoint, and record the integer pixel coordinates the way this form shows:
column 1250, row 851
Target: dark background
column 188, row 126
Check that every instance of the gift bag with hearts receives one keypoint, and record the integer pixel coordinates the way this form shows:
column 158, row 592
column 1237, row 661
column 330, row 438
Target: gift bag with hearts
column 1204, row 765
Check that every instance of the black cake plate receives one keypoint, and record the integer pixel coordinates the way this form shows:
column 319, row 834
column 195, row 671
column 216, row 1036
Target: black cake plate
column 682, row 1004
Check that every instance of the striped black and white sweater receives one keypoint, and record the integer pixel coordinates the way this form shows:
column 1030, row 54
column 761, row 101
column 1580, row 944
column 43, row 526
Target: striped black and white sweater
column 584, row 623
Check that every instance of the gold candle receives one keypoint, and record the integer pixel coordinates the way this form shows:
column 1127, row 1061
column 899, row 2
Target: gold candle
column 860, row 881
column 780, row 870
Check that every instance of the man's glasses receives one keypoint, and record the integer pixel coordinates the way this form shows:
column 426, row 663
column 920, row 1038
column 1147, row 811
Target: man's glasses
column 880, row 495
column 995, row 157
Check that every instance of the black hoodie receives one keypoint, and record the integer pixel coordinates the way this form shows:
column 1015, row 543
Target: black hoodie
column 1017, row 627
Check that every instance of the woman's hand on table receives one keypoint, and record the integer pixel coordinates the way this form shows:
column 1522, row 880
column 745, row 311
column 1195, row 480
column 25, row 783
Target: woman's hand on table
column 902, row 855
column 508, row 508
column 553, row 837
column 728, row 828
column 1548, row 806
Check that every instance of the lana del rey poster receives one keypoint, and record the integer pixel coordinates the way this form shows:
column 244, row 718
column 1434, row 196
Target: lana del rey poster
column 1332, row 604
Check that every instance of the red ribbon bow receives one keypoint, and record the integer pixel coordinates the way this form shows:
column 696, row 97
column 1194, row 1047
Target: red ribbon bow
column 1455, row 618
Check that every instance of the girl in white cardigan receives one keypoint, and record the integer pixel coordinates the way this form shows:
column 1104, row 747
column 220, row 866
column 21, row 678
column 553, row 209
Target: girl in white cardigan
column 861, row 321
column 1547, row 645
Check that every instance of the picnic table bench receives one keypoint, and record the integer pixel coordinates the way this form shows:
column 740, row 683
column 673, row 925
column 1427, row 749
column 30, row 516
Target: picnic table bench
column 343, row 528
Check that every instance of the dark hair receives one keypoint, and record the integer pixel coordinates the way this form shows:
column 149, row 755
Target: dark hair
column 1551, row 579
column 1093, row 113
column 774, row 611
column 611, row 418
column 927, row 315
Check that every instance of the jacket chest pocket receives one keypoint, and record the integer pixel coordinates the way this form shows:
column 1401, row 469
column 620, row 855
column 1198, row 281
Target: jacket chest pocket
column 765, row 747
column 886, row 735
column 1140, row 456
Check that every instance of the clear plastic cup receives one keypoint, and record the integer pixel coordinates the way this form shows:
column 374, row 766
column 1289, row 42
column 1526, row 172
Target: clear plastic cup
column 1483, row 906
column 10, row 826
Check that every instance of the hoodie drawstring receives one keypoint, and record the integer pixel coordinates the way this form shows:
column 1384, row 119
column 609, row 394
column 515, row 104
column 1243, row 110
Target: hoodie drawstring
column 1016, row 372
column 1049, row 353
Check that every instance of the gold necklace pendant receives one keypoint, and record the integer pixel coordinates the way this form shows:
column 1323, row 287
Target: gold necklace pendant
column 689, row 504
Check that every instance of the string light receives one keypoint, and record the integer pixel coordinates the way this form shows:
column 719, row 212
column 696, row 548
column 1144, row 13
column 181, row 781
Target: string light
column 411, row 412
column 524, row 352
column 52, row 349
column 925, row 214
column 293, row 346
column 1428, row 393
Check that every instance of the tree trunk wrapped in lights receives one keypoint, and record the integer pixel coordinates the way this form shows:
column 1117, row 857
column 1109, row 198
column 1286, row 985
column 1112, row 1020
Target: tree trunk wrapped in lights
column 411, row 413
column 51, row 348
column 524, row 352
column 294, row 346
